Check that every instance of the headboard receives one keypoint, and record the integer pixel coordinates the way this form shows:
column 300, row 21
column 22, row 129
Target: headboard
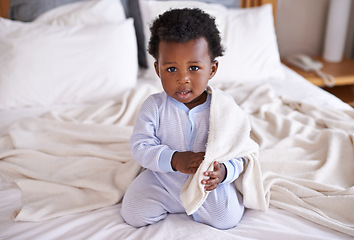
column 5, row 5
column 4, row 8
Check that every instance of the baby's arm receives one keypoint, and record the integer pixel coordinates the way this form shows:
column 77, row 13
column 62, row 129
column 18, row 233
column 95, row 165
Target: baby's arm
column 146, row 147
column 223, row 173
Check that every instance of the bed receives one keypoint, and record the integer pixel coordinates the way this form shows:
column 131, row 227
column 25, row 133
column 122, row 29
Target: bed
column 73, row 75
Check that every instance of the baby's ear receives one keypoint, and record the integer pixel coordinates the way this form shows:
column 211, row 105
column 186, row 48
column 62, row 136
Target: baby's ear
column 214, row 68
column 156, row 65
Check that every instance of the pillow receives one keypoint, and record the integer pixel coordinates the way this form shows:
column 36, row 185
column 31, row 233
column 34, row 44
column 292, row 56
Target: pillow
column 251, row 46
column 134, row 12
column 28, row 10
column 85, row 12
column 226, row 3
column 47, row 65
column 248, row 35
column 99, row 11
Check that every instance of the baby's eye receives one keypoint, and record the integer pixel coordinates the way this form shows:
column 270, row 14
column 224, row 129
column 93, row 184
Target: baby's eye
column 172, row 69
column 194, row 68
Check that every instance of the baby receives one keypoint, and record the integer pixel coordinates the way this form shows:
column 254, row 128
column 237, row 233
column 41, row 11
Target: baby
column 171, row 131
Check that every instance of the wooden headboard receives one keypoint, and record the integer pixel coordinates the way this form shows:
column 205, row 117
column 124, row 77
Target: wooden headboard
column 4, row 8
column 5, row 5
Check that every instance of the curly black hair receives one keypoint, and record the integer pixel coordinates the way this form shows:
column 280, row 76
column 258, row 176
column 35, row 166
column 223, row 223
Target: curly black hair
column 183, row 25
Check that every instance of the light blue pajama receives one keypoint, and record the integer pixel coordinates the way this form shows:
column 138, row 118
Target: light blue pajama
column 163, row 127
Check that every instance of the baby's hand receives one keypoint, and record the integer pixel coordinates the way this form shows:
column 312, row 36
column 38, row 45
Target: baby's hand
column 216, row 176
column 187, row 162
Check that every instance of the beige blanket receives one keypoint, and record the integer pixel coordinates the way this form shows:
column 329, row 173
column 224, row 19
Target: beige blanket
column 73, row 160
column 78, row 159
column 306, row 156
column 229, row 137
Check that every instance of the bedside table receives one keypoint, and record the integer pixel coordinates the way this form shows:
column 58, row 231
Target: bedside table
column 343, row 72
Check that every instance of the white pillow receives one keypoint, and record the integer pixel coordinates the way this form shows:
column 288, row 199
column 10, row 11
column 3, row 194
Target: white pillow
column 43, row 65
column 248, row 36
column 251, row 46
column 85, row 12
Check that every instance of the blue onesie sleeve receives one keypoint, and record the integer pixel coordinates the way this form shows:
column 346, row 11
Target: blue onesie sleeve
column 146, row 147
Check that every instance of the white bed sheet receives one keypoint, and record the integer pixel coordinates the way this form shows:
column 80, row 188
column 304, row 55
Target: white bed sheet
column 106, row 223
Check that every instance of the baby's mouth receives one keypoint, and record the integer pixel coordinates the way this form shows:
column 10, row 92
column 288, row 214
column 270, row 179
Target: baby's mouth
column 184, row 94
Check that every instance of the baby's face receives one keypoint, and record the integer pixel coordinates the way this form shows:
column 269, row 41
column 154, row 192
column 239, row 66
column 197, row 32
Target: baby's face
column 185, row 70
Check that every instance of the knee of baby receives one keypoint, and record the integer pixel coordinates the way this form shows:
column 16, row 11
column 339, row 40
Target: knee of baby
column 229, row 223
column 224, row 221
column 132, row 216
column 139, row 215
column 224, row 224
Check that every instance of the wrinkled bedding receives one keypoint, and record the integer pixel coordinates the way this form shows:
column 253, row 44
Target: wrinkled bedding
column 306, row 156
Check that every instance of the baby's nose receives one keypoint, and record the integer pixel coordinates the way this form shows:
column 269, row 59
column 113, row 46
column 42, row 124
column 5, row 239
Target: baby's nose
column 183, row 78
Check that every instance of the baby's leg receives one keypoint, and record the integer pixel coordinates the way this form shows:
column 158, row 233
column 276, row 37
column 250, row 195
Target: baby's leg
column 223, row 208
column 147, row 202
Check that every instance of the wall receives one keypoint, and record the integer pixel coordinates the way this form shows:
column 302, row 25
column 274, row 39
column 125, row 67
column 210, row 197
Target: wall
column 301, row 26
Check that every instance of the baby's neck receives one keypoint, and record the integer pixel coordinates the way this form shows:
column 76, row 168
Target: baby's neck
column 197, row 101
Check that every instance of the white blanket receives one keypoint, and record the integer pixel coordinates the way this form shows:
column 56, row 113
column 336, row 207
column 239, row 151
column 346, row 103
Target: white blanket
column 74, row 160
column 306, row 156
column 229, row 137
column 78, row 159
